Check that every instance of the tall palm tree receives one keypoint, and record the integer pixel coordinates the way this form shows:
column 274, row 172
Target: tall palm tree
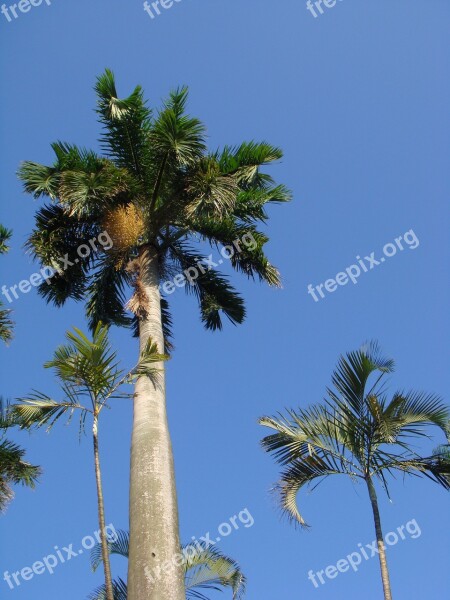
column 204, row 568
column 89, row 377
column 162, row 198
column 13, row 468
column 5, row 322
column 360, row 433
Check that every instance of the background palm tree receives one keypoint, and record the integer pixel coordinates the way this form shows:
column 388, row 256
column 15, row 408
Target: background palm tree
column 13, row 468
column 204, row 569
column 357, row 432
column 162, row 197
column 5, row 322
column 89, row 377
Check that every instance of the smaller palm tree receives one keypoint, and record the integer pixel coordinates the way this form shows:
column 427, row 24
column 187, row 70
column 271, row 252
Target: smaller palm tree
column 89, row 377
column 5, row 322
column 13, row 468
column 360, row 433
column 204, row 569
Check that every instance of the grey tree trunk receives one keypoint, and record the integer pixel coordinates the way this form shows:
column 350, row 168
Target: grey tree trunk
column 101, row 514
column 154, row 569
column 380, row 542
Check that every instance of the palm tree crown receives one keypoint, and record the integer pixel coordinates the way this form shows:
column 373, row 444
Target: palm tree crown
column 358, row 431
column 156, row 186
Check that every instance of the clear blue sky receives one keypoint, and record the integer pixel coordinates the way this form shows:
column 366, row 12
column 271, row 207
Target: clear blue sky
column 358, row 99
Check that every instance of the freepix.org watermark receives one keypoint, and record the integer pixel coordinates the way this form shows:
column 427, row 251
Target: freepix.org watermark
column 153, row 9
column 49, row 563
column 58, row 266
column 202, row 543
column 23, row 6
column 355, row 559
column 364, row 265
column 316, row 7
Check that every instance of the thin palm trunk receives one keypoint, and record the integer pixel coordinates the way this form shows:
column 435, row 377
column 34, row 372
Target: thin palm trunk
column 153, row 573
column 380, row 542
column 101, row 514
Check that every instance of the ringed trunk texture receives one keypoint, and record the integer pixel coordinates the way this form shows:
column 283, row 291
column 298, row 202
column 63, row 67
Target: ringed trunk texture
column 380, row 542
column 154, row 569
column 101, row 515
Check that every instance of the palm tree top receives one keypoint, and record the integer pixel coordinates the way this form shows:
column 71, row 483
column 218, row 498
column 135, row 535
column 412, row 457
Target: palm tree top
column 155, row 185
column 89, row 376
column 357, row 431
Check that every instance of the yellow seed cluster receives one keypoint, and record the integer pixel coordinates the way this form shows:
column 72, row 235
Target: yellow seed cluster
column 125, row 225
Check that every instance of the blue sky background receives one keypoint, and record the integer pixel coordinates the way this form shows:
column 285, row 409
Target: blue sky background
column 358, row 99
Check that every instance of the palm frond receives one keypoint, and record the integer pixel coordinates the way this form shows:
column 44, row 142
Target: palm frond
column 175, row 137
column 436, row 468
column 245, row 244
column 55, row 237
column 245, row 160
column 119, row 591
column 294, row 478
column 85, row 194
column 149, row 364
column 5, row 236
column 208, row 568
column 106, row 295
column 14, row 470
column 167, row 323
column 353, row 371
column 6, row 325
column 39, row 409
column 251, row 203
column 39, row 180
column 214, row 293
column 311, row 444
column 409, row 412
column 315, row 431
column 210, row 194
column 126, row 124
column 119, row 545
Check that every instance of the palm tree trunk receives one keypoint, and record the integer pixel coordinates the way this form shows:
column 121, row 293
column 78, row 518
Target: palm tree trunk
column 380, row 542
column 153, row 572
column 101, row 514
